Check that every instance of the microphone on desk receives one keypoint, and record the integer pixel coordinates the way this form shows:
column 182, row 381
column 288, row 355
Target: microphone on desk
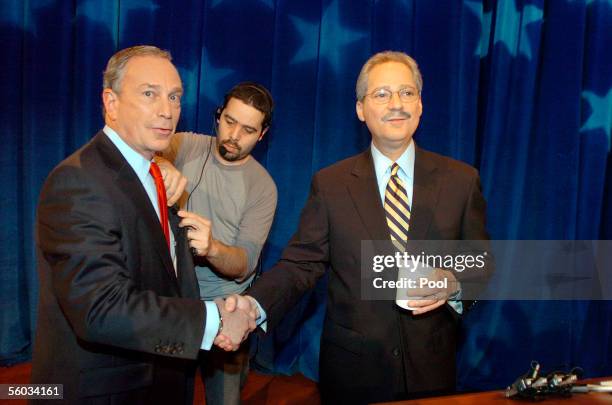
column 532, row 385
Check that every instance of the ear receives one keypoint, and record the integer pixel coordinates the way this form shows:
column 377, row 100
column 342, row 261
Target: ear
column 111, row 101
column 420, row 108
column 262, row 134
column 359, row 110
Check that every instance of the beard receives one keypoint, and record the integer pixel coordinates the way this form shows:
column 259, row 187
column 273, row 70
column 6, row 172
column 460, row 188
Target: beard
column 226, row 154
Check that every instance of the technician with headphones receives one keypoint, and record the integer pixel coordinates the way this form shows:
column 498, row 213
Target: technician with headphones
column 228, row 207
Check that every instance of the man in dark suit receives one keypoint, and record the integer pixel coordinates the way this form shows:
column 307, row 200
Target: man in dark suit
column 120, row 319
column 374, row 350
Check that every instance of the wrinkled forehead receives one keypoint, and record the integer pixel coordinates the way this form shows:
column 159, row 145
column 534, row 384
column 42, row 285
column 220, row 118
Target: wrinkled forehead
column 152, row 70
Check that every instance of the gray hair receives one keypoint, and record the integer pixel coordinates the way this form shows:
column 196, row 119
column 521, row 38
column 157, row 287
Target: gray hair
column 115, row 68
column 383, row 57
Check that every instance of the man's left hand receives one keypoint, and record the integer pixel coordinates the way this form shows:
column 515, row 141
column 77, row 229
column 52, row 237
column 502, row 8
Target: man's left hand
column 432, row 298
column 199, row 232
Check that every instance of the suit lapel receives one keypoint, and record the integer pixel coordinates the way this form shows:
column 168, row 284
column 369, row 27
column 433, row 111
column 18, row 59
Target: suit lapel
column 130, row 184
column 364, row 193
column 187, row 280
column 426, row 189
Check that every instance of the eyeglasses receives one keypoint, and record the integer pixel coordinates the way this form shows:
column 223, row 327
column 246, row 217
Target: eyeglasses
column 384, row 95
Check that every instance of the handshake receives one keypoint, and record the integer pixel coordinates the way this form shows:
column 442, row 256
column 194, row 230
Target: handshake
column 239, row 314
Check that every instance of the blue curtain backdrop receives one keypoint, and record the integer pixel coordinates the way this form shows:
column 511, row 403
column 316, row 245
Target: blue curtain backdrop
column 521, row 89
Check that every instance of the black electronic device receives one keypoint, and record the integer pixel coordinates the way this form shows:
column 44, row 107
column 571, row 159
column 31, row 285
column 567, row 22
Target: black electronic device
column 537, row 385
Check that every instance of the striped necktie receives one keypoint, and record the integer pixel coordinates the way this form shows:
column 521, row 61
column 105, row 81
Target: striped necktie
column 397, row 210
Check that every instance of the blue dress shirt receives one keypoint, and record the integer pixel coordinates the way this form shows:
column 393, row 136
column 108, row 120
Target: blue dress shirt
column 141, row 167
column 382, row 167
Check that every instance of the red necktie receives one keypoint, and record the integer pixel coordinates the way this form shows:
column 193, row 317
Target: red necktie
column 161, row 199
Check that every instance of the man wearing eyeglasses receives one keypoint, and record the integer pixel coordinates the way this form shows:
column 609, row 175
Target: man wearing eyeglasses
column 374, row 351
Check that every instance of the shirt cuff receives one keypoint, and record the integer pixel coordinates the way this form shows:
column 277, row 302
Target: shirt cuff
column 455, row 302
column 212, row 325
column 261, row 321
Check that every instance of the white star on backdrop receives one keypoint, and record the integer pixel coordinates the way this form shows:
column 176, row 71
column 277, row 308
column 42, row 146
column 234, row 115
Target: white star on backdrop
column 107, row 14
column 342, row 36
column 601, row 113
column 336, row 35
column 210, row 78
column 309, row 35
column 23, row 17
column 476, row 8
column 190, row 77
column 511, row 27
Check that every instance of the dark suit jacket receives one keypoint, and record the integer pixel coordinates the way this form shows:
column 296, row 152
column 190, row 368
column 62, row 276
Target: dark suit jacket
column 373, row 350
column 115, row 323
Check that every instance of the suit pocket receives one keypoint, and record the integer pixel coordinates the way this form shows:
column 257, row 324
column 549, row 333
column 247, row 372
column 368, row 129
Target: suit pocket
column 343, row 337
column 112, row 380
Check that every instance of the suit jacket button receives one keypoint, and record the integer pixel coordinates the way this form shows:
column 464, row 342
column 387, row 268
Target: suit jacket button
column 396, row 351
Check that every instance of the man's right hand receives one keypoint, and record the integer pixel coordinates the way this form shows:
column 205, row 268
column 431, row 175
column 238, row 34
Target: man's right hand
column 243, row 302
column 174, row 181
column 237, row 324
column 235, row 304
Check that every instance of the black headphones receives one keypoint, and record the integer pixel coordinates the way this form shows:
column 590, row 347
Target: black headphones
column 218, row 112
column 235, row 92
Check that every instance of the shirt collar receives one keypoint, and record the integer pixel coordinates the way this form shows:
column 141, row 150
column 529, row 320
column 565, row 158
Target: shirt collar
column 136, row 160
column 382, row 164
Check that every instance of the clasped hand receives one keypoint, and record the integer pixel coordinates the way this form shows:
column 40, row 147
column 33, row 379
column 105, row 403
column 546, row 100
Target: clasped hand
column 239, row 314
column 431, row 298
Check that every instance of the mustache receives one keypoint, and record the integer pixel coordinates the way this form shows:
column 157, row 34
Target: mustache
column 233, row 143
column 397, row 114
